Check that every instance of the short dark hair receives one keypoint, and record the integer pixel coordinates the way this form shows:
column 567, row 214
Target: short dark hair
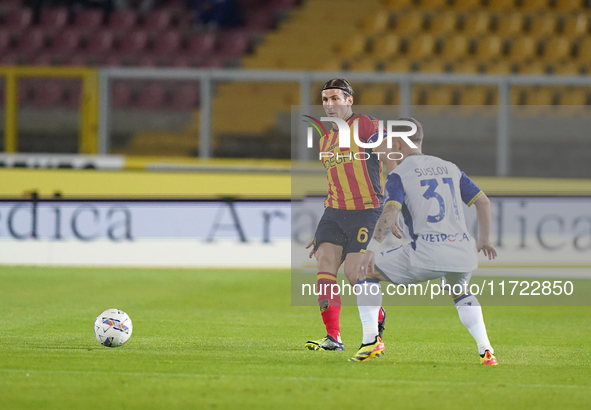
column 418, row 136
column 339, row 84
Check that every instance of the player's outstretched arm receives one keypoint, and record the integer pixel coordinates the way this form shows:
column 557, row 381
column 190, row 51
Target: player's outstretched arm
column 483, row 216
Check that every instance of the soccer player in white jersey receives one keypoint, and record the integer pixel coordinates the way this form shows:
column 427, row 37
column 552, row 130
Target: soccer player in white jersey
column 426, row 191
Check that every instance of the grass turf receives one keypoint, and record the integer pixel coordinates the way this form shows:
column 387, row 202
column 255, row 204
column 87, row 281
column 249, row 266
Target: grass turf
column 230, row 339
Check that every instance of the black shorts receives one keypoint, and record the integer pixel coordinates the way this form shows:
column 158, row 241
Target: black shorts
column 350, row 229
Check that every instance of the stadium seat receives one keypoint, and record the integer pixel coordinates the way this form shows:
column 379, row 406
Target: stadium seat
column 566, row 6
column 363, row 65
column 584, row 50
column 386, row 46
column 260, row 20
column 73, row 94
column 183, row 61
column 488, row 48
column 398, row 65
column 532, row 6
column 475, row 95
column 167, row 43
column 398, row 4
column 201, row 44
column 502, row 67
column 31, row 41
column 234, row 43
column 5, row 40
column 9, row 59
column 89, row 19
column 44, row 58
column 113, row 60
column 375, row 23
column 185, row 96
column 567, row 68
column 54, row 19
column 574, row 26
column 19, row 19
column 151, row 96
column 100, row 41
column 374, row 94
column 435, row 66
column 408, row 23
column 65, row 41
column 158, row 20
column 501, row 5
column 556, row 49
column 134, row 42
column 146, row 60
column 120, row 94
column 523, row 48
column 420, row 47
column 48, row 94
column 476, row 23
column 430, row 5
column 543, row 25
column 213, row 62
column 352, row 47
column 533, row 68
column 466, row 67
column 466, row 5
column 509, row 24
column 455, row 47
column 443, row 23
column 122, row 21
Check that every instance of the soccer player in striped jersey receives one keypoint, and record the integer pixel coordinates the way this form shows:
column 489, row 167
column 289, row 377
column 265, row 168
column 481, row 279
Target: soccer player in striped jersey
column 427, row 191
column 352, row 207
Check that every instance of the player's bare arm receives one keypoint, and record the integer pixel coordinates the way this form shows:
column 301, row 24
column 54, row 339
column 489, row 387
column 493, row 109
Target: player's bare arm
column 388, row 222
column 484, row 221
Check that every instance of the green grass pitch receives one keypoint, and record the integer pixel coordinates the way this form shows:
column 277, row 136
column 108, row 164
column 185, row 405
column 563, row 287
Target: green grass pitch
column 230, row 339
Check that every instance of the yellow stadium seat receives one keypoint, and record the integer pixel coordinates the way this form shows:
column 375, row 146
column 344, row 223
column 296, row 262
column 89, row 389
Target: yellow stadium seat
column 399, row 65
column 443, row 23
column 386, row 46
column 465, row 5
column 440, row 99
column 476, row 23
column 566, row 6
column 584, row 50
column 466, row 67
column 420, row 47
column 375, row 23
column 365, row 64
column 333, row 64
column 573, row 102
column 433, row 66
column 398, row 4
column 538, row 102
column 523, row 48
column 509, row 24
column 533, row 68
column 575, row 25
column 567, row 68
column 489, row 48
column 501, row 5
column 499, row 67
column 375, row 94
column 543, row 25
column 408, row 22
column 557, row 49
column 455, row 47
column 476, row 95
column 533, row 5
column 351, row 47
column 432, row 4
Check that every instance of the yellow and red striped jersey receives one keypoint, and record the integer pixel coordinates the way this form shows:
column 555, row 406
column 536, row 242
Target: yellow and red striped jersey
column 354, row 178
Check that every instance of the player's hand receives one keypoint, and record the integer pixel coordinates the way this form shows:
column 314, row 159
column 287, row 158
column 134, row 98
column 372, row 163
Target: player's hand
column 312, row 252
column 487, row 248
column 397, row 230
column 367, row 264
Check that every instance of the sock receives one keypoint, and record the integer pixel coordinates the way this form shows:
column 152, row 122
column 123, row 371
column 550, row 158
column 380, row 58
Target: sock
column 369, row 305
column 330, row 306
column 471, row 316
column 381, row 315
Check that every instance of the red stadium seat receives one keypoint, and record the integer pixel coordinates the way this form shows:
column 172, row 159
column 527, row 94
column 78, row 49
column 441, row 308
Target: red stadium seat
column 147, row 60
column 73, row 94
column 134, row 42
column 183, row 61
column 89, row 19
column 123, row 20
column 151, row 96
column 120, row 94
column 100, row 41
column 5, row 40
column 9, row 59
column 19, row 19
column 167, row 43
column 213, row 62
column 201, row 44
column 48, row 94
column 66, row 41
column 54, row 19
column 112, row 60
column 31, row 41
column 158, row 20
column 185, row 96
column 260, row 20
column 44, row 58
column 234, row 43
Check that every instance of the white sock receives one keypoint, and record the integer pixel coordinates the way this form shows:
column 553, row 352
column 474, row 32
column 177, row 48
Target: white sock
column 369, row 309
column 470, row 314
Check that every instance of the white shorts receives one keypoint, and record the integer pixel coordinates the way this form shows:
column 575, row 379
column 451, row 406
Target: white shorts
column 395, row 266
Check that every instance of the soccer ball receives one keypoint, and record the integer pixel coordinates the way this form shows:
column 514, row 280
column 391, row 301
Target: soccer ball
column 112, row 328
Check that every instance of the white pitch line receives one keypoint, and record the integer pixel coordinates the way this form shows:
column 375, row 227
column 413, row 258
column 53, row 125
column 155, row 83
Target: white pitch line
column 291, row 378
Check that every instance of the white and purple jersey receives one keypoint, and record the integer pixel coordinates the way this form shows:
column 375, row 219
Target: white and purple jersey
column 428, row 191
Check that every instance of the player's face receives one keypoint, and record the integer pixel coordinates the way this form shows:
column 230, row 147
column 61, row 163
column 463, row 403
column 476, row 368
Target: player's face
column 336, row 103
